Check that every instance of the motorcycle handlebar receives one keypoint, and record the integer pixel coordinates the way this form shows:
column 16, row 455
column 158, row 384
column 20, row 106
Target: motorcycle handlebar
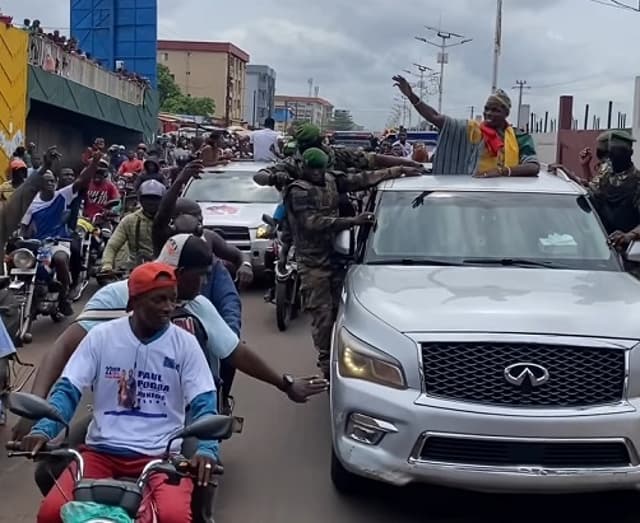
column 16, row 447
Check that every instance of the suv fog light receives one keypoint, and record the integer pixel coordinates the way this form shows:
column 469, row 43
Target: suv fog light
column 368, row 430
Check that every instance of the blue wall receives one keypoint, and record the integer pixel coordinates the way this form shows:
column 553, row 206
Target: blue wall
column 112, row 30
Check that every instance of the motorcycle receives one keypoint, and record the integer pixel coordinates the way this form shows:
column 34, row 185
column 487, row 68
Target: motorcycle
column 32, row 281
column 94, row 236
column 116, row 500
column 14, row 373
column 286, row 292
column 126, row 185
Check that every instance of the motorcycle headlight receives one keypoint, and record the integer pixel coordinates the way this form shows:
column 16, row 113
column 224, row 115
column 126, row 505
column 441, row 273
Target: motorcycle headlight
column 263, row 232
column 23, row 259
column 360, row 361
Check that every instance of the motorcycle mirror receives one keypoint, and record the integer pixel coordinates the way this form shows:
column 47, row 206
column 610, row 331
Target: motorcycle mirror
column 210, row 428
column 268, row 220
column 33, row 407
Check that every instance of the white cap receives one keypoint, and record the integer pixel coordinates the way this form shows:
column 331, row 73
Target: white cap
column 185, row 250
column 152, row 188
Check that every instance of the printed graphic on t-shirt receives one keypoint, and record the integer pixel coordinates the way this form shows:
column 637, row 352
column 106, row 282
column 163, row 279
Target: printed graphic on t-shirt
column 140, row 393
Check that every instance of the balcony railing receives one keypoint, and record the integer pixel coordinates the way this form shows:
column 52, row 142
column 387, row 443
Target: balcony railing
column 47, row 55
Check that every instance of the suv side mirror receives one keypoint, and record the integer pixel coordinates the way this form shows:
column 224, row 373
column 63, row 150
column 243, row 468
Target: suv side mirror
column 344, row 243
column 633, row 252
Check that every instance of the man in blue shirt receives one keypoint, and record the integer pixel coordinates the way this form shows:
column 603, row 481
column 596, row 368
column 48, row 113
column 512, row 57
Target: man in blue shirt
column 47, row 217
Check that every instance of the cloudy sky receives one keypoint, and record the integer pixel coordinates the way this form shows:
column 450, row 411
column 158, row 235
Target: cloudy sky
column 352, row 48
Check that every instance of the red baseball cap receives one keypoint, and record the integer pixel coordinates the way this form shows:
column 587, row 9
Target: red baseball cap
column 149, row 277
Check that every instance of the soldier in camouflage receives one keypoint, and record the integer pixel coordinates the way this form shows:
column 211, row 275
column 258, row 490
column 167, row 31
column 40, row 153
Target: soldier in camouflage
column 311, row 203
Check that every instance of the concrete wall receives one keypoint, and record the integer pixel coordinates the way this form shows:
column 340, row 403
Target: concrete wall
column 546, row 146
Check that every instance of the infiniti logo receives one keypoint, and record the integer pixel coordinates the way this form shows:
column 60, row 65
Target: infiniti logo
column 530, row 374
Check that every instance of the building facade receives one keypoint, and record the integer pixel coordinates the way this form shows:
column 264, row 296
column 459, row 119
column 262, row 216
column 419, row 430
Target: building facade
column 260, row 92
column 209, row 69
column 306, row 109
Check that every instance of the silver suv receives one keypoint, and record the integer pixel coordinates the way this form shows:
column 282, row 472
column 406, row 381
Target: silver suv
column 487, row 340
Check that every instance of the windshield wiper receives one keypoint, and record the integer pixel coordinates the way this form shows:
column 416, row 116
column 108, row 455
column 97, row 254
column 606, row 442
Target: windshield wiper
column 513, row 262
column 415, row 261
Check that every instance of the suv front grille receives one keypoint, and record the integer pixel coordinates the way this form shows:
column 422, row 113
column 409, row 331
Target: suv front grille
column 525, row 453
column 236, row 235
column 475, row 372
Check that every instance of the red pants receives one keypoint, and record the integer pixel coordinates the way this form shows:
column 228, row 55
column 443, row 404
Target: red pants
column 172, row 502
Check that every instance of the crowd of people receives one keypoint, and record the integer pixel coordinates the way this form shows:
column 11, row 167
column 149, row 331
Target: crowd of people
column 58, row 62
column 180, row 278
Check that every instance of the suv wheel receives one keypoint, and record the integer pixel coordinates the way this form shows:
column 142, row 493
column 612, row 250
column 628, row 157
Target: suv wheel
column 345, row 482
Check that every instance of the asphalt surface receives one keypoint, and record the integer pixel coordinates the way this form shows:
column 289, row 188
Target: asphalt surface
column 277, row 470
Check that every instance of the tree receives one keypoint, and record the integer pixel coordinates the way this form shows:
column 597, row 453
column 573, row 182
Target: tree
column 341, row 121
column 173, row 100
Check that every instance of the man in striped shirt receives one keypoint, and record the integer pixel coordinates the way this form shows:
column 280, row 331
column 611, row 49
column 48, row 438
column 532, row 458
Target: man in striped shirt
column 486, row 149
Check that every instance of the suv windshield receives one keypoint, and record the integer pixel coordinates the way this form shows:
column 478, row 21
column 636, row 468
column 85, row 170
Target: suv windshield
column 486, row 228
column 230, row 187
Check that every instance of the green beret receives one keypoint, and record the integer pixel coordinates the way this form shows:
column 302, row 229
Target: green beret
column 315, row 158
column 307, row 133
column 616, row 137
column 290, row 148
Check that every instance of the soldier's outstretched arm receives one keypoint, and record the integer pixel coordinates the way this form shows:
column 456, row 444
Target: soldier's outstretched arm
column 361, row 181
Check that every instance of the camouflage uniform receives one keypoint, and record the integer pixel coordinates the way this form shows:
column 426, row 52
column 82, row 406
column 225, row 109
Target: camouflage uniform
column 313, row 218
column 616, row 198
column 340, row 159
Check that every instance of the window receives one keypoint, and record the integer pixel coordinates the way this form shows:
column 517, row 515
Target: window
column 461, row 227
column 165, row 57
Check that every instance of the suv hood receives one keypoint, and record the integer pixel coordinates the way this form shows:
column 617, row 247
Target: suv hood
column 235, row 214
column 503, row 299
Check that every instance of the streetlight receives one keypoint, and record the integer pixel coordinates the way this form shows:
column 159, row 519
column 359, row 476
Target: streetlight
column 443, row 57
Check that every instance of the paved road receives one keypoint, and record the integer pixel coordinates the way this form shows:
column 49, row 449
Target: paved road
column 278, row 469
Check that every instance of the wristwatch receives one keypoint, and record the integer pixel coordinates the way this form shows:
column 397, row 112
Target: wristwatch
column 287, row 382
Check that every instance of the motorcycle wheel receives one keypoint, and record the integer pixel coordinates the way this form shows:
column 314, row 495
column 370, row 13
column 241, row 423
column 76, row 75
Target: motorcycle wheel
column 295, row 298
column 283, row 305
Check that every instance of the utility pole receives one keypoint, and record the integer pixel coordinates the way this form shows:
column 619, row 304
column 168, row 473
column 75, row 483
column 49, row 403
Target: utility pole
column 521, row 85
column 497, row 47
column 423, row 69
column 443, row 56
column 473, row 109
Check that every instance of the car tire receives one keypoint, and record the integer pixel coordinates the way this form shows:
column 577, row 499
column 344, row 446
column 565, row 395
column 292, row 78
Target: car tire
column 345, row 482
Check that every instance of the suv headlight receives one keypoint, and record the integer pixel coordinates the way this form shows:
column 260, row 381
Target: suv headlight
column 263, row 232
column 360, row 361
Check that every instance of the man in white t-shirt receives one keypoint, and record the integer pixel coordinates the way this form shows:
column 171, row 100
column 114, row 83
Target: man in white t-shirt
column 145, row 372
column 265, row 142
column 403, row 145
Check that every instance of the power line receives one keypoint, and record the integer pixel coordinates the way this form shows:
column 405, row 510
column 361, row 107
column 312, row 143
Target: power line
column 618, row 5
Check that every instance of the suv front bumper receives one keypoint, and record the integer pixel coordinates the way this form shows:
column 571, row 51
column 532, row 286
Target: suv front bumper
column 406, row 418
